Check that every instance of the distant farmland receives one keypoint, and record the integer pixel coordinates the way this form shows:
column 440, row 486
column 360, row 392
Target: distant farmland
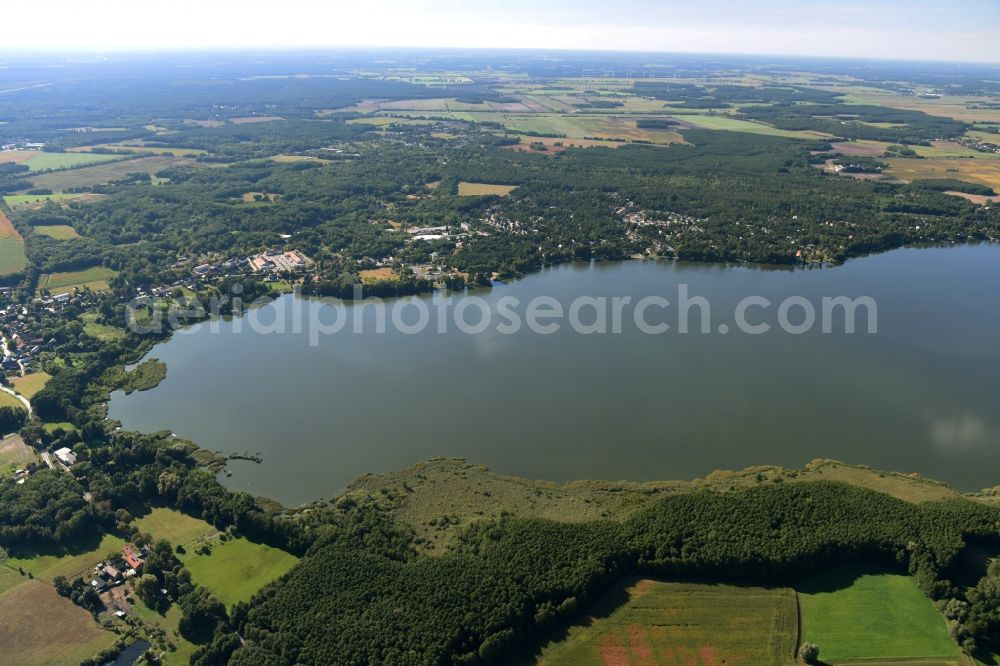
column 103, row 173
column 37, row 160
column 483, row 189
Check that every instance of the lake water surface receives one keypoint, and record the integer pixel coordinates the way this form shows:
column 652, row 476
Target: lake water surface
column 920, row 395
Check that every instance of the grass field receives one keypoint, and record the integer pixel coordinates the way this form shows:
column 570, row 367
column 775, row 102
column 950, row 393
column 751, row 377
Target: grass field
column 48, row 161
column 736, row 125
column 481, row 189
column 30, row 384
column 652, row 622
column 236, row 569
column 9, row 579
column 859, row 616
column 16, row 200
column 103, row 173
column 15, row 453
column 36, row 201
column 102, row 332
column 57, row 231
column 95, row 278
column 12, row 257
column 7, row 400
column 38, row 627
column 68, row 564
column 174, row 526
column 169, row 621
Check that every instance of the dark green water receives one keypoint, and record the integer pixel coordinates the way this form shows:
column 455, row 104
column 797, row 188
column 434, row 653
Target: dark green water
column 920, row 395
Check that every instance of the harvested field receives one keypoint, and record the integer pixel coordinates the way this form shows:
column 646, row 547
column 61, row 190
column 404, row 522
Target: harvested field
column 252, row 197
column 37, row 626
column 16, row 156
column 203, row 123
column 140, row 149
column 378, row 275
column 7, row 229
column 983, row 171
column 247, row 120
column 483, row 189
column 103, row 173
column 981, row 199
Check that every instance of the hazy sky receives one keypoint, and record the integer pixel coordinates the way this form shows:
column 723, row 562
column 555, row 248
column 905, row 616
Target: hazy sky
column 965, row 30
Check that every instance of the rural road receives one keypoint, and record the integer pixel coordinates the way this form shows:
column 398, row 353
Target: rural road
column 7, row 389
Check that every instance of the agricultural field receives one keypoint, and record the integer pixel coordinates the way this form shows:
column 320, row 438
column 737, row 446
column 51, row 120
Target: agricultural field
column 104, row 173
column 853, row 615
column 140, row 149
column 483, row 189
column 236, row 569
column 30, row 384
column 983, row 171
column 736, row 125
column 937, row 149
column 12, row 257
column 70, row 563
column 95, row 278
column 174, row 526
column 38, row 627
column 15, row 453
column 949, row 106
column 653, row 622
column 19, row 200
column 57, row 231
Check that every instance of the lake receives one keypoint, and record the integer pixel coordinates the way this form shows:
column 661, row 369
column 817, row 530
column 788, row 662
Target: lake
column 920, row 395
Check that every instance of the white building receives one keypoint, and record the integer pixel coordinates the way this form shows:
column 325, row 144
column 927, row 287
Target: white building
column 66, row 456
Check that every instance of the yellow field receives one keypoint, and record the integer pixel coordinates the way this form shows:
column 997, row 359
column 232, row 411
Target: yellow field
column 483, row 189
column 251, row 197
column 57, row 231
column 377, row 275
column 95, row 279
column 30, row 384
column 140, row 149
column 983, row 171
